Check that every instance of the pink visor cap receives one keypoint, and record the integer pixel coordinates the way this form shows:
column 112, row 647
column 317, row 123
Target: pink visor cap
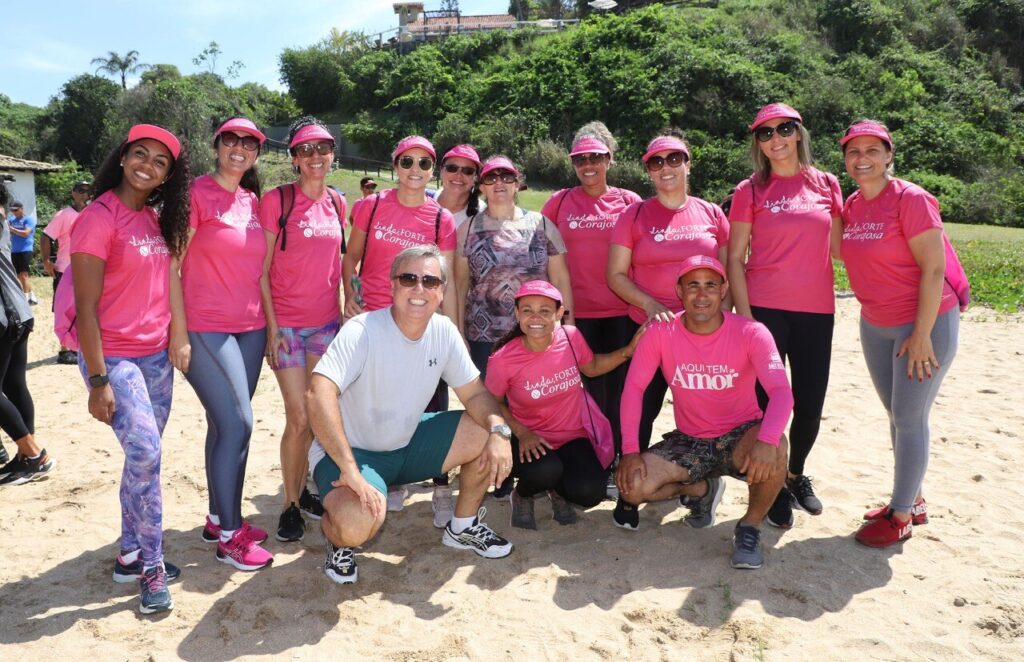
column 463, row 151
column 665, row 144
column 540, row 288
column 866, row 128
column 159, row 134
column 310, row 133
column 410, row 142
column 773, row 111
column 241, row 125
column 695, row 262
column 499, row 163
column 589, row 145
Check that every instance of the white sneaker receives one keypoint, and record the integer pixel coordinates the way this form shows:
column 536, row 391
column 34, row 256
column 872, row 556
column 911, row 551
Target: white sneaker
column 443, row 506
column 479, row 538
column 396, row 498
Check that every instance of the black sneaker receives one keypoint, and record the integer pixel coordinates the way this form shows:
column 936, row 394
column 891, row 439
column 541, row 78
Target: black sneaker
column 626, row 515
column 479, row 537
column 803, row 494
column 126, row 574
column 13, row 466
column 340, row 566
column 309, row 503
column 4, row 457
column 290, row 526
column 27, row 469
column 780, row 515
column 153, row 593
column 67, row 357
column 504, row 489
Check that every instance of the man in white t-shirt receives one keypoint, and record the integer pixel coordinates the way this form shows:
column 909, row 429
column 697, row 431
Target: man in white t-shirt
column 365, row 404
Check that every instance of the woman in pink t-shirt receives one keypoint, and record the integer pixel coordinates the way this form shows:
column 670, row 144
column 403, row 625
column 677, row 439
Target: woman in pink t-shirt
column 121, row 262
column 892, row 244
column 219, row 333
column 561, row 442
column 649, row 243
column 585, row 215
column 780, row 274
column 300, row 295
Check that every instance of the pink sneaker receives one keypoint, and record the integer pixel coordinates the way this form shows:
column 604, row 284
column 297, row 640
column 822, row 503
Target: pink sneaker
column 211, row 532
column 243, row 552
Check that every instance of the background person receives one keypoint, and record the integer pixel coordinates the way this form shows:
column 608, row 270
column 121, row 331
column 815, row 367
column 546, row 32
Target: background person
column 59, row 230
column 367, row 186
column 780, row 273
column 23, row 243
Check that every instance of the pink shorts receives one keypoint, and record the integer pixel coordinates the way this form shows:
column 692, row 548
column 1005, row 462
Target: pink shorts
column 305, row 340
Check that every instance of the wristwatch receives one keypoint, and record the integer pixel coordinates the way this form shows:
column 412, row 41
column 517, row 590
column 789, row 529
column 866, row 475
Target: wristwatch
column 97, row 381
column 502, row 429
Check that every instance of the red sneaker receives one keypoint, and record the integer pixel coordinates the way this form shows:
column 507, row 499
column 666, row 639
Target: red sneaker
column 885, row 531
column 918, row 512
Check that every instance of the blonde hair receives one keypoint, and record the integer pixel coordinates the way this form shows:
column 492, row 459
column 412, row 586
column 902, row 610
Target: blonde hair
column 763, row 165
column 598, row 131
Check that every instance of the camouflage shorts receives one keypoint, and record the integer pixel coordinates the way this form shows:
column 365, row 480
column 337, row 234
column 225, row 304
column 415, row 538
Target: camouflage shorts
column 702, row 458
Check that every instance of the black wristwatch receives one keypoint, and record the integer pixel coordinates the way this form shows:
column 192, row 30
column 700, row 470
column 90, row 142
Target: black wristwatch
column 97, row 381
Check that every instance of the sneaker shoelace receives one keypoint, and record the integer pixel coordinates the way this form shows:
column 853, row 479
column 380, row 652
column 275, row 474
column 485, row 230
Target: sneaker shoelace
column 155, row 581
column 342, row 557
column 801, row 487
column 748, row 538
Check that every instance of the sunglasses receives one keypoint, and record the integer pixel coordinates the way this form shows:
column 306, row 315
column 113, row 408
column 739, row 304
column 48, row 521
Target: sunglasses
column 249, row 143
column 410, row 280
column 505, row 177
column 305, row 150
column 673, row 160
column 584, row 159
column 81, row 189
column 370, row 186
column 765, row 133
column 424, row 162
column 468, row 171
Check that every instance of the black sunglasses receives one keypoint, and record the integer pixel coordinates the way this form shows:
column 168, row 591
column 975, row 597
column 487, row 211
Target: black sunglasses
column 410, row 280
column 592, row 159
column 249, row 143
column 305, row 150
column 81, row 189
column 674, row 160
column 425, row 162
column 468, row 171
column 370, row 186
column 492, row 177
column 765, row 133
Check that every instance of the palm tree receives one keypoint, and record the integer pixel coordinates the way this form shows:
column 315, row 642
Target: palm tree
column 117, row 64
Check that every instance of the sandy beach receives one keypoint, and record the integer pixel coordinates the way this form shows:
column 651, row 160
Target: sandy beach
column 584, row 592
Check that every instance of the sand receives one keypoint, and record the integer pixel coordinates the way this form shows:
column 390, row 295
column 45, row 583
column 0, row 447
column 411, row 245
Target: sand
column 588, row 591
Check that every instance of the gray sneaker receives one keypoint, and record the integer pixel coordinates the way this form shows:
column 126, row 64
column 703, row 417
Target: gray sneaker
column 522, row 511
column 702, row 509
column 562, row 510
column 746, row 547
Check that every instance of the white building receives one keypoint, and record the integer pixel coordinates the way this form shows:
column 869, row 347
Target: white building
column 19, row 175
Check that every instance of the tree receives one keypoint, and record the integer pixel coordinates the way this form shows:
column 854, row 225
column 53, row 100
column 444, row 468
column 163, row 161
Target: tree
column 79, row 115
column 118, row 64
column 160, row 72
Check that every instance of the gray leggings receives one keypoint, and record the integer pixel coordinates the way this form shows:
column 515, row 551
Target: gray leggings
column 224, row 370
column 907, row 401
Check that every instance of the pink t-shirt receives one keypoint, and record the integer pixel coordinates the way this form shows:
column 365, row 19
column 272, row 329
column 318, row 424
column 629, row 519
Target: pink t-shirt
column 711, row 377
column 883, row 273
column 543, row 388
column 661, row 238
column 395, row 228
column 790, row 267
column 304, row 277
column 59, row 229
column 220, row 275
column 586, row 223
column 134, row 309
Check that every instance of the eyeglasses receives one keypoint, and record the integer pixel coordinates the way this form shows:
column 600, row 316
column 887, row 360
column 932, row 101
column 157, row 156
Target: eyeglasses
column 305, row 150
column 674, row 160
column 424, row 162
column 410, row 280
column 765, row 133
column 451, row 168
column 592, row 159
column 249, row 143
column 505, row 177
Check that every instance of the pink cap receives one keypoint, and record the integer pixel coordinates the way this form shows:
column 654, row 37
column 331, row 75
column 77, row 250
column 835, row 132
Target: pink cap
column 463, row 151
column 695, row 262
column 310, row 133
column 241, row 125
column 410, row 142
column 499, row 163
column 866, row 128
column 665, row 144
column 774, row 110
column 539, row 288
column 159, row 134
column 589, row 145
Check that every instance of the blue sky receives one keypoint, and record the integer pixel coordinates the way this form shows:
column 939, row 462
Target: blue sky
column 49, row 42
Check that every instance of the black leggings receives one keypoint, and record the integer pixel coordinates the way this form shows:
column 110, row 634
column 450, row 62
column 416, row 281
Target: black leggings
column 804, row 340
column 653, row 400
column 573, row 471
column 606, row 335
column 17, row 411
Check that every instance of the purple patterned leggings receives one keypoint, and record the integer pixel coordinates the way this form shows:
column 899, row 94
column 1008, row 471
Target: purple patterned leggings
column 142, row 394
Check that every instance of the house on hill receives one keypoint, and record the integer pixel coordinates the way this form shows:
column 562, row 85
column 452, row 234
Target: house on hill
column 417, row 24
column 19, row 175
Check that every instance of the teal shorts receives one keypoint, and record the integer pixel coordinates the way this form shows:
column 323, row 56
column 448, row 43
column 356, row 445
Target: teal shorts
column 420, row 460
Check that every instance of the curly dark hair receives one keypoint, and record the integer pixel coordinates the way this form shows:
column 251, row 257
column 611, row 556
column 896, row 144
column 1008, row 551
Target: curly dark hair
column 301, row 123
column 5, row 196
column 171, row 198
column 251, row 177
